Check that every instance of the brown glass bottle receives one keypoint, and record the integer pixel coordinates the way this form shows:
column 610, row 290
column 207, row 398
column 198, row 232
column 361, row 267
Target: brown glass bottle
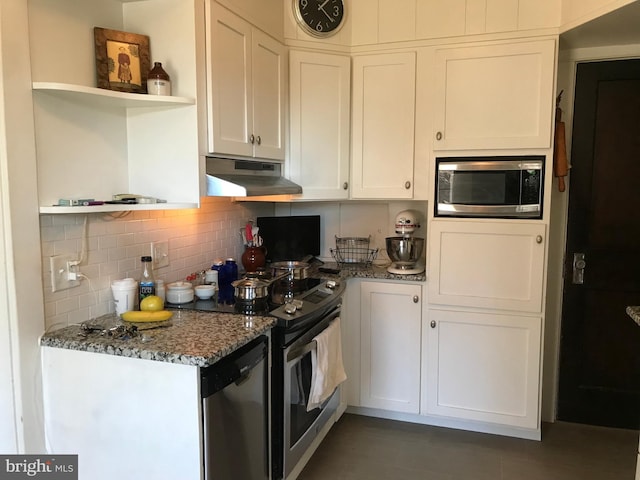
column 158, row 81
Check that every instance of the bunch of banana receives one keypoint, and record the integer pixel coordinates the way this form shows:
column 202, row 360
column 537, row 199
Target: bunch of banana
column 140, row 316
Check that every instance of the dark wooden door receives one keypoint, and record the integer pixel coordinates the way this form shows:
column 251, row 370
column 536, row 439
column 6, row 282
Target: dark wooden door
column 600, row 344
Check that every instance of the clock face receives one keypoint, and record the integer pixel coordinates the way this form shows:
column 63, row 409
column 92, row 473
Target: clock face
column 319, row 18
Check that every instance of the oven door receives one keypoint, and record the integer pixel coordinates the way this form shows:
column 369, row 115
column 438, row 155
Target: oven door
column 301, row 427
column 490, row 187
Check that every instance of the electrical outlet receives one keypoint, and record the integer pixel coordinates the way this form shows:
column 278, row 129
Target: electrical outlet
column 60, row 270
column 160, row 254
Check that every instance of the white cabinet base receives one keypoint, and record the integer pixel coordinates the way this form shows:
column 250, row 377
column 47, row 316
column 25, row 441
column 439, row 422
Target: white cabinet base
column 152, row 410
column 471, row 426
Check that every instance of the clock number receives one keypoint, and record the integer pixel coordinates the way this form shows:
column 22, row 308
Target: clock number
column 319, row 27
column 304, row 3
column 336, row 11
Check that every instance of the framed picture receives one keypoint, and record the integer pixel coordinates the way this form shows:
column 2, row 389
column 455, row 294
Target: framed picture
column 122, row 60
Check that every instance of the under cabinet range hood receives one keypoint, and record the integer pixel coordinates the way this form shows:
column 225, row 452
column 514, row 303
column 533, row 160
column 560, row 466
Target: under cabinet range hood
column 246, row 178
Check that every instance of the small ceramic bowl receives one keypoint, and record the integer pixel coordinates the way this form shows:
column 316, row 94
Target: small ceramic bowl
column 204, row 292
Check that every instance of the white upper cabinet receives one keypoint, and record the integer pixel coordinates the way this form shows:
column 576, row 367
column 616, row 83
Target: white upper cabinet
column 494, row 96
column 246, row 85
column 487, row 265
column 383, row 124
column 93, row 143
column 319, row 133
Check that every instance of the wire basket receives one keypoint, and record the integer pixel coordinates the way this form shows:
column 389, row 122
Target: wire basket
column 354, row 251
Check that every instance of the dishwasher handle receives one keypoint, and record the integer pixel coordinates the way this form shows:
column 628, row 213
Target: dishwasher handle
column 232, row 368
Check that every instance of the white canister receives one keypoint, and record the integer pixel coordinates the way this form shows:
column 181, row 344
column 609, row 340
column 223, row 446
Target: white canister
column 211, row 277
column 125, row 294
column 160, row 290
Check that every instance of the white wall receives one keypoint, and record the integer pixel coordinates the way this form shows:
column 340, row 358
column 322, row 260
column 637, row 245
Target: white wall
column 577, row 12
column 116, row 242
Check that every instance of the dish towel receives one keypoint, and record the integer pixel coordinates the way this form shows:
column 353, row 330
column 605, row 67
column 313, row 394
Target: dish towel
column 326, row 365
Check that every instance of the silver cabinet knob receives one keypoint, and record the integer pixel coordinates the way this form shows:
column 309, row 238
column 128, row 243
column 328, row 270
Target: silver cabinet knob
column 433, row 324
column 439, row 136
column 416, row 299
column 345, row 185
column 539, row 239
column 258, row 140
column 407, row 185
column 252, row 139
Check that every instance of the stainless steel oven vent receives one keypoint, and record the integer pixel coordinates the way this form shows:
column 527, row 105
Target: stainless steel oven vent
column 246, row 178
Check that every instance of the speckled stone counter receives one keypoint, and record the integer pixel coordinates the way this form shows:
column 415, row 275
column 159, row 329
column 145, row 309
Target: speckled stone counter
column 189, row 338
column 634, row 313
column 373, row 271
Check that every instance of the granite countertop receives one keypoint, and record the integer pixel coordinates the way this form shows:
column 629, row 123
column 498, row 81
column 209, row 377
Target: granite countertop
column 372, row 271
column 634, row 313
column 188, row 338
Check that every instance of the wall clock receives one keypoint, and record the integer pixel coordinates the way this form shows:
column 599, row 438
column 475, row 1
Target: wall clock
column 320, row 18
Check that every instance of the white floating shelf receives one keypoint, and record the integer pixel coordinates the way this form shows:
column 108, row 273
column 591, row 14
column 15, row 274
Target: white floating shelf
column 110, row 98
column 110, row 207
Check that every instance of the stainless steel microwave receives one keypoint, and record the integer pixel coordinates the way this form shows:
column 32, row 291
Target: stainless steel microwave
column 490, row 187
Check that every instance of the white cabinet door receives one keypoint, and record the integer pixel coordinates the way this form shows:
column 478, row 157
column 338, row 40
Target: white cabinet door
column 383, row 121
column 496, row 96
column 319, row 105
column 246, row 88
column 483, row 367
column 268, row 80
column 487, row 264
column 390, row 346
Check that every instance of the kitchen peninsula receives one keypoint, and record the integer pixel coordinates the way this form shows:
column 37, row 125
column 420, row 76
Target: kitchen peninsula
column 135, row 398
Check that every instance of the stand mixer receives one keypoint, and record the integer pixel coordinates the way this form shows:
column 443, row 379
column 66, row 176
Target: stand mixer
column 405, row 251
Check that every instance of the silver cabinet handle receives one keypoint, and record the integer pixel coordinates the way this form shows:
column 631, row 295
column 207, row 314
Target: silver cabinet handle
column 258, row 140
column 416, row 299
column 439, row 136
column 407, row 185
column 252, row 139
column 345, row 185
column 579, row 264
column 539, row 239
column 433, row 324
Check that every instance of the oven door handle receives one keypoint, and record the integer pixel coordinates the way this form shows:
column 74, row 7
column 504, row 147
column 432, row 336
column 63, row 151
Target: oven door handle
column 300, row 352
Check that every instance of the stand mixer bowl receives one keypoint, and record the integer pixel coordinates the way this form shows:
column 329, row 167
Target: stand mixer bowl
column 404, row 252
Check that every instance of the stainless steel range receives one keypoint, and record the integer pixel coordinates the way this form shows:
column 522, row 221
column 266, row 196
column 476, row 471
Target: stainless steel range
column 293, row 428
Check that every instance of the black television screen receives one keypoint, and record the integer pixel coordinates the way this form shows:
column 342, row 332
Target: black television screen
column 290, row 238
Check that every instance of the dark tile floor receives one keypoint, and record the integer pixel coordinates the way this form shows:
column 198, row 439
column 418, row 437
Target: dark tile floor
column 364, row 448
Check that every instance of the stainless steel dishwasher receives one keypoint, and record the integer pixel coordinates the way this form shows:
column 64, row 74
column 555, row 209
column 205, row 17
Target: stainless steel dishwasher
column 235, row 419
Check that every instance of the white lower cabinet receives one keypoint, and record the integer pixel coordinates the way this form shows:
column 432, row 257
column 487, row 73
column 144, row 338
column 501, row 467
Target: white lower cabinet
column 390, row 325
column 483, row 367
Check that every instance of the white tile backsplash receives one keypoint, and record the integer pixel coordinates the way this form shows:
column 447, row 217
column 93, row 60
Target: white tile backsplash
column 115, row 243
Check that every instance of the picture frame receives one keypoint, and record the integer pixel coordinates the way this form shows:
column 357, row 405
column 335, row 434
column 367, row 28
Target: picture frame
column 123, row 60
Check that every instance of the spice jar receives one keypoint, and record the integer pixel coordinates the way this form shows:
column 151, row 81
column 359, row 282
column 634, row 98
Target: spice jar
column 158, row 82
